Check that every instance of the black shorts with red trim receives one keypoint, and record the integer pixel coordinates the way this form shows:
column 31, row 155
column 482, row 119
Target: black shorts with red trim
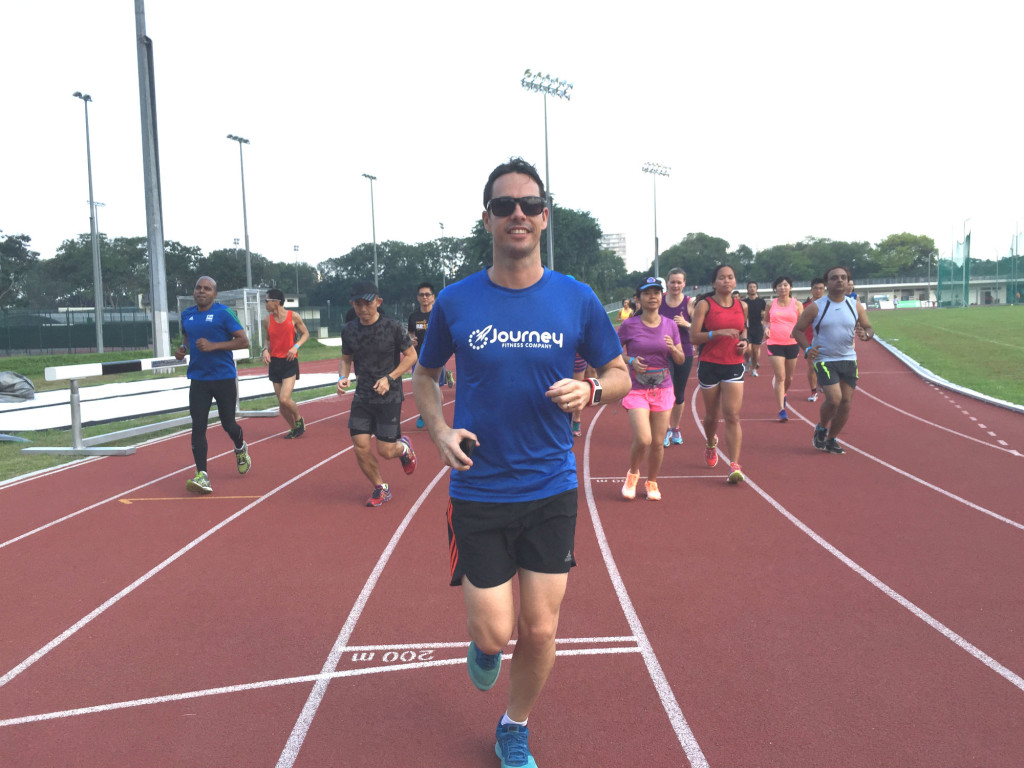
column 489, row 541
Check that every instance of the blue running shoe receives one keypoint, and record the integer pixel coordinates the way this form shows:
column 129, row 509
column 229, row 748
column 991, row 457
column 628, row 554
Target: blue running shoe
column 512, row 746
column 783, row 416
column 668, row 438
column 483, row 667
column 677, row 439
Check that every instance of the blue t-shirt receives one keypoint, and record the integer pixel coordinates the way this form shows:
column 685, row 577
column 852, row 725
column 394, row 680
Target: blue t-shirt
column 510, row 346
column 218, row 323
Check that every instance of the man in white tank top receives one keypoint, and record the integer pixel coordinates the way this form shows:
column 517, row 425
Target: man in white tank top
column 836, row 320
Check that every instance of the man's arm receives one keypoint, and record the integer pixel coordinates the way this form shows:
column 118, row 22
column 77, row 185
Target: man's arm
column 182, row 349
column 239, row 340
column 300, row 326
column 798, row 333
column 864, row 329
column 427, row 393
column 344, row 371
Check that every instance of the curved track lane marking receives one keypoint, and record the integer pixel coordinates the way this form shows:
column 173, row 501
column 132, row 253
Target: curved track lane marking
column 668, row 699
column 986, row 443
column 118, row 497
column 919, row 480
column 13, row 673
column 1007, row 674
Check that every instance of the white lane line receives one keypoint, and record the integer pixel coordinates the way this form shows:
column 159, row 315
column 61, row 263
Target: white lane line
column 668, row 699
column 942, row 491
column 984, row 658
column 302, row 725
column 936, row 426
column 13, row 673
column 301, row 679
column 137, row 488
column 464, row 644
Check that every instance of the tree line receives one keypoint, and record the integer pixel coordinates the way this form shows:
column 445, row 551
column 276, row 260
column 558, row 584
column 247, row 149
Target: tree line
column 65, row 280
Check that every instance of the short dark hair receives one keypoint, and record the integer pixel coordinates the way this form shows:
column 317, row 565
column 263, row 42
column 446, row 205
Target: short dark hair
column 424, row 285
column 514, row 165
column 817, row 281
column 777, row 280
column 849, row 274
column 275, row 294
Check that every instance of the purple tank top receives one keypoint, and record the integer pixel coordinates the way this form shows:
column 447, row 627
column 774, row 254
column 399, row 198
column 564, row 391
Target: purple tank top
column 670, row 312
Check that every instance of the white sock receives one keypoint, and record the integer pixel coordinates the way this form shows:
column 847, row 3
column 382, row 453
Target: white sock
column 506, row 720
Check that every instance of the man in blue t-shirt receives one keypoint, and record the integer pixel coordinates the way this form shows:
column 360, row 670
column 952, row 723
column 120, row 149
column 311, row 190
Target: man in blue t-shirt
column 209, row 333
column 515, row 329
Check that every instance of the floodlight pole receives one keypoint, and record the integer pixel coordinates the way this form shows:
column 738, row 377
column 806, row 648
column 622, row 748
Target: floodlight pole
column 295, row 248
column 373, row 224
column 444, row 263
column 656, row 170
column 97, row 273
column 245, row 215
column 547, row 84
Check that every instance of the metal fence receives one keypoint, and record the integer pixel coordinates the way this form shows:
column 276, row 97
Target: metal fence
column 67, row 331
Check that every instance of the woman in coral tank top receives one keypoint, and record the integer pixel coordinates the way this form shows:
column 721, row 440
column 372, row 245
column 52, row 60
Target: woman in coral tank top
column 781, row 316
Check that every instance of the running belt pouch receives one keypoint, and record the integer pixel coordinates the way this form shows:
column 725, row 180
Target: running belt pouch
column 652, row 379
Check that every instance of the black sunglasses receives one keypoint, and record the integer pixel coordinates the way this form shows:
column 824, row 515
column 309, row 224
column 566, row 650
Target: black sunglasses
column 506, row 206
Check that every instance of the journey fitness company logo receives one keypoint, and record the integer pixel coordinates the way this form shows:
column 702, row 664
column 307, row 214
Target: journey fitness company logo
column 511, row 339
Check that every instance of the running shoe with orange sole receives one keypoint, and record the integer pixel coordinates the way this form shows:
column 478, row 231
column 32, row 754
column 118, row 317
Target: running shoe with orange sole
column 629, row 487
column 711, row 453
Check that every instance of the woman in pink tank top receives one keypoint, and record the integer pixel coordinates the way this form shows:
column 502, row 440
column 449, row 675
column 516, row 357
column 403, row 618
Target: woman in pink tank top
column 781, row 316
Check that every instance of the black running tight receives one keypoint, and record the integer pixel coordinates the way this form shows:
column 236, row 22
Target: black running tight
column 200, row 395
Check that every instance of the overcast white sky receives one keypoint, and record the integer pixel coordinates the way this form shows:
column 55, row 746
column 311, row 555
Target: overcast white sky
column 779, row 120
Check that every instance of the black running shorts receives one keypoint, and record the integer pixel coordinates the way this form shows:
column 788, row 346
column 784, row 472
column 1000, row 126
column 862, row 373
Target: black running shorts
column 282, row 368
column 382, row 420
column 835, row 371
column 489, row 541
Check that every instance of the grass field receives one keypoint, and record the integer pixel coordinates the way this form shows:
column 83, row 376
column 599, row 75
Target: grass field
column 981, row 348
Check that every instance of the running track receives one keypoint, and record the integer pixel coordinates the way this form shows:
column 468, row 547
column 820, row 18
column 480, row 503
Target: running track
column 840, row 611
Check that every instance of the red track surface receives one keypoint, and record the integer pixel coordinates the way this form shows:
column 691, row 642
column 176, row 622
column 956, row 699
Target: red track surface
column 858, row 610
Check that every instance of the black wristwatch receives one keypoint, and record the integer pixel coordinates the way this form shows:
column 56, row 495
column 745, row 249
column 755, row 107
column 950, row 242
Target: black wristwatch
column 595, row 391
column 391, row 382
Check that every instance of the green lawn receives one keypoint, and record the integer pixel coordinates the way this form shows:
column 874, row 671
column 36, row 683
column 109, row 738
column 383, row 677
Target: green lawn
column 981, row 348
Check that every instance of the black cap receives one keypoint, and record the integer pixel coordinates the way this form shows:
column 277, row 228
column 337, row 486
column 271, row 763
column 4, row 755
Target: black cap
column 276, row 294
column 365, row 290
column 651, row 282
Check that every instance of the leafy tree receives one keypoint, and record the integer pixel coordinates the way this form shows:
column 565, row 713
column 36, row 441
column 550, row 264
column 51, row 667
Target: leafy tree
column 697, row 254
column 17, row 267
column 904, row 254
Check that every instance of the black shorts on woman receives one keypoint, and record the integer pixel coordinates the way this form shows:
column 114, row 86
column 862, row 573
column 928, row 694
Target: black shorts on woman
column 490, row 541
column 785, row 351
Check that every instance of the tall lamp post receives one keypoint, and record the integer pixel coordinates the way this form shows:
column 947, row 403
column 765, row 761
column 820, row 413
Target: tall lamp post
column 547, row 84
column 444, row 263
column 373, row 224
column 97, row 275
column 656, row 170
column 245, row 215
column 296, row 249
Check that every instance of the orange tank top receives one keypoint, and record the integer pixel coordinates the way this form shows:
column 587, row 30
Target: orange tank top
column 282, row 335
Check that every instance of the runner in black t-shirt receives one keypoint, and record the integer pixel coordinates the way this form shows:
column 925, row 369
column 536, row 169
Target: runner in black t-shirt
column 383, row 353
column 418, row 321
column 755, row 328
